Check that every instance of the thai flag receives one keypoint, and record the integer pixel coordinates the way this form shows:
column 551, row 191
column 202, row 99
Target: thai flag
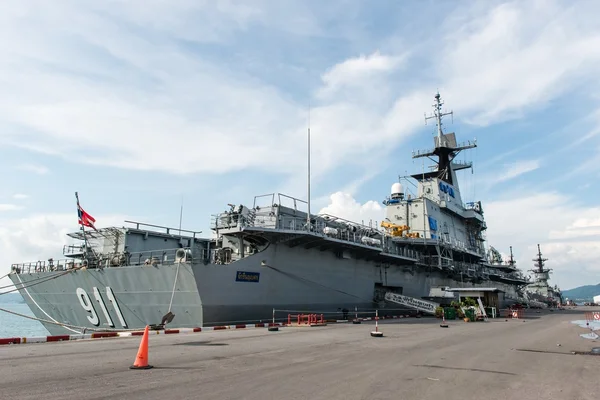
column 85, row 219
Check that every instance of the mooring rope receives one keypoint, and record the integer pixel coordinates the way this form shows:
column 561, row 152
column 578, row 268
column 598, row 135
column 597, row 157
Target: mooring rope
column 82, row 328
column 36, row 281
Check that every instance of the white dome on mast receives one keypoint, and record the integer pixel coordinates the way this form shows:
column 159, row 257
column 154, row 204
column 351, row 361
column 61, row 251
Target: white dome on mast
column 397, row 190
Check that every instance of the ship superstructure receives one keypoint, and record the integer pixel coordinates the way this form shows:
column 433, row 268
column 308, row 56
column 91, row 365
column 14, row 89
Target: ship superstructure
column 274, row 254
column 540, row 289
column 449, row 233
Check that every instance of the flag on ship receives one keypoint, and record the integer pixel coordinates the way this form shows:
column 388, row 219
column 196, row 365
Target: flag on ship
column 85, row 219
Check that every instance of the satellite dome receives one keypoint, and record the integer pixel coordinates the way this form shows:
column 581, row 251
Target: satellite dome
column 396, row 188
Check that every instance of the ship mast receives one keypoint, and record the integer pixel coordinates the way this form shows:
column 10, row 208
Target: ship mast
column 438, row 114
column 82, row 228
column 511, row 261
column 542, row 274
column 446, row 149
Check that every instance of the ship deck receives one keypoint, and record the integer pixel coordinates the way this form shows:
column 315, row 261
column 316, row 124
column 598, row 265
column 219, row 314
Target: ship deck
column 309, row 240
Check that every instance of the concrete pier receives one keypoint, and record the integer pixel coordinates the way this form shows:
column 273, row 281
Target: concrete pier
column 416, row 359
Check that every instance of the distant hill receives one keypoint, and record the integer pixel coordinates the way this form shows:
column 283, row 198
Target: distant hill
column 586, row 292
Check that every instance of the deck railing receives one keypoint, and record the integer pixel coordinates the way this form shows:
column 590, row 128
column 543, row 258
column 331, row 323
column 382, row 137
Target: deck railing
column 324, row 225
column 353, row 233
column 108, row 260
column 332, row 227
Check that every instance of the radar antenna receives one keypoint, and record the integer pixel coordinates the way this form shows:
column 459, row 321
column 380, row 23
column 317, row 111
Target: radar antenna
column 438, row 114
column 511, row 260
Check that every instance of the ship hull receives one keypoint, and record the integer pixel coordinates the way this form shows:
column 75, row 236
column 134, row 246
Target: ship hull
column 287, row 280
column 112, row 298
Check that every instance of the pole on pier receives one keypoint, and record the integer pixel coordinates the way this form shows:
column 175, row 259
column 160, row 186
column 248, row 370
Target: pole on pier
column 376, row 332
column 356, row 320
column 273, row 328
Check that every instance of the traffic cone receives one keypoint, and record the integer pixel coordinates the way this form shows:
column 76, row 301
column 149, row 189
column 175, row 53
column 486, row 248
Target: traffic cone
column 141, row 360
column 444, row 324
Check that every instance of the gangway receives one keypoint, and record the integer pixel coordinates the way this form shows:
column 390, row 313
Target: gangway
column 482, row 308
column 412, row 302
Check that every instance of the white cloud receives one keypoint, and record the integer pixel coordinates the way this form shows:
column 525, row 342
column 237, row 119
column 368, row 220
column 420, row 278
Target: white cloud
column 36, row 169
column 586, row 223
column 148, row 89
column 516, row 169
column 343, row 205
column 518, row 55
column 20, row 196
column 9, row 207
column 354, row 71
column 587, row 167
column 558, row 223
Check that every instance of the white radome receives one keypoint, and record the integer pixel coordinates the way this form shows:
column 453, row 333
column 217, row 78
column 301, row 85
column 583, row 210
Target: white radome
column 396, row 188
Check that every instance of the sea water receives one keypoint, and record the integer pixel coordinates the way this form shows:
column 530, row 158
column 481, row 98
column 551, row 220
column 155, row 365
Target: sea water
column 591, row 325
column 16, row 326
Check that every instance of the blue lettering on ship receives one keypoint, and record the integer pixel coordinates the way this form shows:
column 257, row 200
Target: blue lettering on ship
column 432, row 223
column 243, row 276
column 447, row 189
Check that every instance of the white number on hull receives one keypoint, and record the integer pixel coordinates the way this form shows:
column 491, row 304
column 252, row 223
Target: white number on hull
column 113, row 300
column 86, row 303
column 103, row 306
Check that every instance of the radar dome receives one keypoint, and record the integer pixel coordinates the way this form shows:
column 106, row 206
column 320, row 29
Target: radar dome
column 396, row 188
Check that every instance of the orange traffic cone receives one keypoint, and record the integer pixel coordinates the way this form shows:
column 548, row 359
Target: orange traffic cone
column 141, row 360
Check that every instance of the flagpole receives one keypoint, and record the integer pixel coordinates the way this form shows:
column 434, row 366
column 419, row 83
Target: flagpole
column 85, row 248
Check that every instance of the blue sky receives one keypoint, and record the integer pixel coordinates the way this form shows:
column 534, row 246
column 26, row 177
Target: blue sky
column 138, row 105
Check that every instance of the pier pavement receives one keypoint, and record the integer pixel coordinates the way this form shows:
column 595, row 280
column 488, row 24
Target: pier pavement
column 416, row 359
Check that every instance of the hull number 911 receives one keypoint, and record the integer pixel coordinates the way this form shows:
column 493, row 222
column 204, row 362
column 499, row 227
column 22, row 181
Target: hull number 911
column 86, row 303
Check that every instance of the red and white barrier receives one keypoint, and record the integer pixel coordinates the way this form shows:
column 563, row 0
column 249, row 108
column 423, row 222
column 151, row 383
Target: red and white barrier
column 518, row 313
column 98, row 335
column 593, row 316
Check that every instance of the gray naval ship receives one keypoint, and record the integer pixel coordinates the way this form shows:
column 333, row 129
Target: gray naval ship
column 275, row 254
column 539, row 292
